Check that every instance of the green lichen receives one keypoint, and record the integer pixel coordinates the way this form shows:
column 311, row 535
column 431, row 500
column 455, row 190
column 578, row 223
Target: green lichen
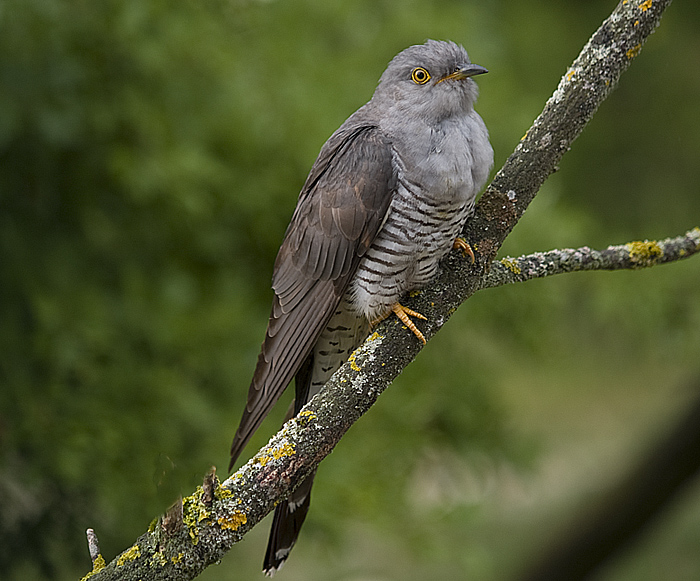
column 158, row 559
column 221, row 493
column 645, row 253
column 193, row 512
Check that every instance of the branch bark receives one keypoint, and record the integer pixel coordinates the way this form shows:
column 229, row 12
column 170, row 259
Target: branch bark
column 198, row 530
column 633, row 255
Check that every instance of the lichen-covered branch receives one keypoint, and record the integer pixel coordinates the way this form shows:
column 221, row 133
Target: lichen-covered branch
column 198, row 530
column 632, row 255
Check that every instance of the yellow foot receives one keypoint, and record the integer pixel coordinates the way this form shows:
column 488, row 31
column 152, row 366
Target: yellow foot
column 403, row 313
column 461, row 244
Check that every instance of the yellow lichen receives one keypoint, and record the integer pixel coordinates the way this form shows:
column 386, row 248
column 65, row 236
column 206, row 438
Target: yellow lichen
column 129, row 555
column 634, row 51
column 97, row 566
column 276, row 453
column 570, row 74
column 159, row 559
column 305, row 417
column 193, row 512
column 644, row 253
column 220, row 493
column 285, row 449
column 99, row 563
column 353, row 365
column 511, row 264
column 374, row 336
column 234, row 521
column 644, row 6
column 177, row 558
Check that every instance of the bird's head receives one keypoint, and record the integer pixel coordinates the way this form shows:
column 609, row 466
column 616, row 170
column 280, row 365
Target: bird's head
column 431, row 79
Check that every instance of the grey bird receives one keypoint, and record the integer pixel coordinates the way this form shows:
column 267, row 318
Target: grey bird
column 386, row 199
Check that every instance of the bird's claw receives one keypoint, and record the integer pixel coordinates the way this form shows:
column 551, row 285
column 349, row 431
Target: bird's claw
column 403, row 313
column 461, row 244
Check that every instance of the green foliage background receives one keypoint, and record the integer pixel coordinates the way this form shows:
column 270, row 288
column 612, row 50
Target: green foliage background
column 150, row 158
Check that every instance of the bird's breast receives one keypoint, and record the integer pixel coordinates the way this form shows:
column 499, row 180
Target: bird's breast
column 440, row 169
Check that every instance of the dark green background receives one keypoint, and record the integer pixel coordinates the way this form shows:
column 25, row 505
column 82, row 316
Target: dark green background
column 151, row 153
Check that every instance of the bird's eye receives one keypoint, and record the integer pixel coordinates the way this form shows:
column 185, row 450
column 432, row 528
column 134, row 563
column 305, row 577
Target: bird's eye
column 420, row 76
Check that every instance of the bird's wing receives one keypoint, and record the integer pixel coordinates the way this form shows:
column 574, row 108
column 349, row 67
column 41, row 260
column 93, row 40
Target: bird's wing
column 341, row 208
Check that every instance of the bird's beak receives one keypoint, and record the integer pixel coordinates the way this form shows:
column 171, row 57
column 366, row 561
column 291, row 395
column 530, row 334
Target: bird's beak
column 464, row 72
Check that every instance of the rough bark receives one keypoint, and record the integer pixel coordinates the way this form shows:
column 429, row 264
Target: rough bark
column 198, row 530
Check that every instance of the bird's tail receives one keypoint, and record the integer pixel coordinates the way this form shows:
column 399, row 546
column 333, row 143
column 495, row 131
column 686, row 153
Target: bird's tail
column 289, row 516
column 341, row 336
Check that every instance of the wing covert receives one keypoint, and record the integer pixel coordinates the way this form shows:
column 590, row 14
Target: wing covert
column 340, row 210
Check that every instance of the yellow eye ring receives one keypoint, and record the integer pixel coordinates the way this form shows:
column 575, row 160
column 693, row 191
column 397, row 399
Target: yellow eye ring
column 420, row 76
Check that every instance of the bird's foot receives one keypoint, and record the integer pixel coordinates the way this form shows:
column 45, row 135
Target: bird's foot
column 461, row 244
column 403, row 313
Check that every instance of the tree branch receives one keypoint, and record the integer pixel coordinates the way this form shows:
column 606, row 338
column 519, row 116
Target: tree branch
column 633, row 255
column 198, row 530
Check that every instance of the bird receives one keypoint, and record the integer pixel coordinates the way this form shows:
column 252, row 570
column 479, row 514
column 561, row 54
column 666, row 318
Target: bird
column 384, row 202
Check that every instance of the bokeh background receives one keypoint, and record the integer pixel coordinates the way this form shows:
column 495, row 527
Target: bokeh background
column 150, row 158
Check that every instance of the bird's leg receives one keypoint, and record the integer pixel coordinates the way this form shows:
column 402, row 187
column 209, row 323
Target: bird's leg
column 403, row 313
column 461, row 244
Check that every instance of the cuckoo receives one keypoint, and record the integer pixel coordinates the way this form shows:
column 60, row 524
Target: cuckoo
column 385, row 200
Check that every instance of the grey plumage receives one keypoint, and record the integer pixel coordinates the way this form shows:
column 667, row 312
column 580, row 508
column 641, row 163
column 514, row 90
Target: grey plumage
column 386, row 198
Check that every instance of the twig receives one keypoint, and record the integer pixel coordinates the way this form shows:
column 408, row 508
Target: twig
column 98, row 561
column 632, row 255
column 93, row 545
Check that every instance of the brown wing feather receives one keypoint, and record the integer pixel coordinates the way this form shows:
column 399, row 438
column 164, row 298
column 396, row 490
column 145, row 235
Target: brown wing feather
column 340, row 210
